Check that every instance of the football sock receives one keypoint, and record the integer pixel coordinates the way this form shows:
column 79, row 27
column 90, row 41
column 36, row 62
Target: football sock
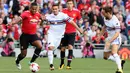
column 50, row 56
column 19, row 58
column 36, row 54
column 62, row 55
column 111, row 57
column 70, row 55
column 117, row 60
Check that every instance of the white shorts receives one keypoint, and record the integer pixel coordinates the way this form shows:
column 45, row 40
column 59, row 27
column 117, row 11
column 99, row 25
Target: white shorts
column 54, row 40
column 116, row 41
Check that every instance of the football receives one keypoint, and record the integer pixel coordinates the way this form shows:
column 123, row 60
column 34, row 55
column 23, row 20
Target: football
column 34, row 67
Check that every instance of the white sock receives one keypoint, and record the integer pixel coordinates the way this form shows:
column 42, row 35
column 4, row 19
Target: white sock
column 117, row 60
column 111, row 57
column 50, row 56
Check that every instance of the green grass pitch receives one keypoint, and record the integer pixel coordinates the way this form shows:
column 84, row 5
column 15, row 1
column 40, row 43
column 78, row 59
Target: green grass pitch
column 79, row 65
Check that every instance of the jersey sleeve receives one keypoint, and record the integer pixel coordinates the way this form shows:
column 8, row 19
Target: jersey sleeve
column 67, row 18
column 23, row 15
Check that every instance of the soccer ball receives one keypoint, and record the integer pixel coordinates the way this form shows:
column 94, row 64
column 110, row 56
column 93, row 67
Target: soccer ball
column 34, row 67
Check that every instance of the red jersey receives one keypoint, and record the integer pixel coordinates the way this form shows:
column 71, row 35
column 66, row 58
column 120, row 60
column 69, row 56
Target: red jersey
column 29, row 22
column 75, row 14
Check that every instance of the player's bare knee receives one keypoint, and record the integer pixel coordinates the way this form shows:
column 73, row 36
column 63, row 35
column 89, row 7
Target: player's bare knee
column 63, row 49
column 70, row 47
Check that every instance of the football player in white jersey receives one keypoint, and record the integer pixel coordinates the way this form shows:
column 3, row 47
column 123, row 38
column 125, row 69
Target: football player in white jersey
column 57, row 21
column 113, row 41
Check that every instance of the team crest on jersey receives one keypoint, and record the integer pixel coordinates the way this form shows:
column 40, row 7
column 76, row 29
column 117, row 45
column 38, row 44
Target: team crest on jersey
column 33, row 21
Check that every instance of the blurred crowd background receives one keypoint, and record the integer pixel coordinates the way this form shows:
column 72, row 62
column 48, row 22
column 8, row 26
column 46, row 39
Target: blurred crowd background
column 90, row 11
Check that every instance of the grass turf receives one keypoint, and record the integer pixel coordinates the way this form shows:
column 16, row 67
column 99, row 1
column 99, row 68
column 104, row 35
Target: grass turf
column 7, row 65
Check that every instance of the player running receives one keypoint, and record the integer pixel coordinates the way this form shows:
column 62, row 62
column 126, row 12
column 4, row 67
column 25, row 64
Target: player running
column 30, row 19
column 113, row 41
column 70, row 32
column 57, row 21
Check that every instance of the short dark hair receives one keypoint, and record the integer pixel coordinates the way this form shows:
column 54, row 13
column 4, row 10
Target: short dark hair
column 55, row 5
column 34, row 4
column 70, row 1
column 108, row 9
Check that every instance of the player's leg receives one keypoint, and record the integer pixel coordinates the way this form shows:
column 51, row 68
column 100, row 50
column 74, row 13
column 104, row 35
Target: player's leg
column 62, row 51
column 71, row 40
column 23, row 48
column 107, row 51
column 122, row 63
column 35, row 41
column 50, row 57
column 62, row 56
column 70, row 55
column 38, row 45
column 116, row 57
column 21, row 56
column 51, row 46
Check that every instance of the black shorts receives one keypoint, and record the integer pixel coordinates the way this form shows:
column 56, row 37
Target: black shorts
column 26, row 39
column 68, row 39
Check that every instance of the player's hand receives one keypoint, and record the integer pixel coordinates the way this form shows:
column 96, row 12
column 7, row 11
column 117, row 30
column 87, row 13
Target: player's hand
column 81, row 31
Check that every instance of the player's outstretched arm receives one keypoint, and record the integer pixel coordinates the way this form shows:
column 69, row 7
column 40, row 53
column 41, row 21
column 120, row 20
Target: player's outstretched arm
column 76, row 26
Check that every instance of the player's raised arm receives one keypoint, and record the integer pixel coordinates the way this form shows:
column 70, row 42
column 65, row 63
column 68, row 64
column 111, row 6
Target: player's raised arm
column 70, row 20
column 76, row 26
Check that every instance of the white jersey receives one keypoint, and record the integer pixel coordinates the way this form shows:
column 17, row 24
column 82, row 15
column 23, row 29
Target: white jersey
column 58, row 22
column 113, row 26
column 57, row 28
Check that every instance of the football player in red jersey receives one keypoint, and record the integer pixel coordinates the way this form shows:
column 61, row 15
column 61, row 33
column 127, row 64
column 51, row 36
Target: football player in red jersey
column 69, row 37
column 30, row 19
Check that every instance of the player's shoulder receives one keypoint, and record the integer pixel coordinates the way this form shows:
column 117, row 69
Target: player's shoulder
column 114, row 18
column 62, row 13
column 26, row 11
column 76, row 10
column 65, row 9
column 37, row 12
column 115, row 21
